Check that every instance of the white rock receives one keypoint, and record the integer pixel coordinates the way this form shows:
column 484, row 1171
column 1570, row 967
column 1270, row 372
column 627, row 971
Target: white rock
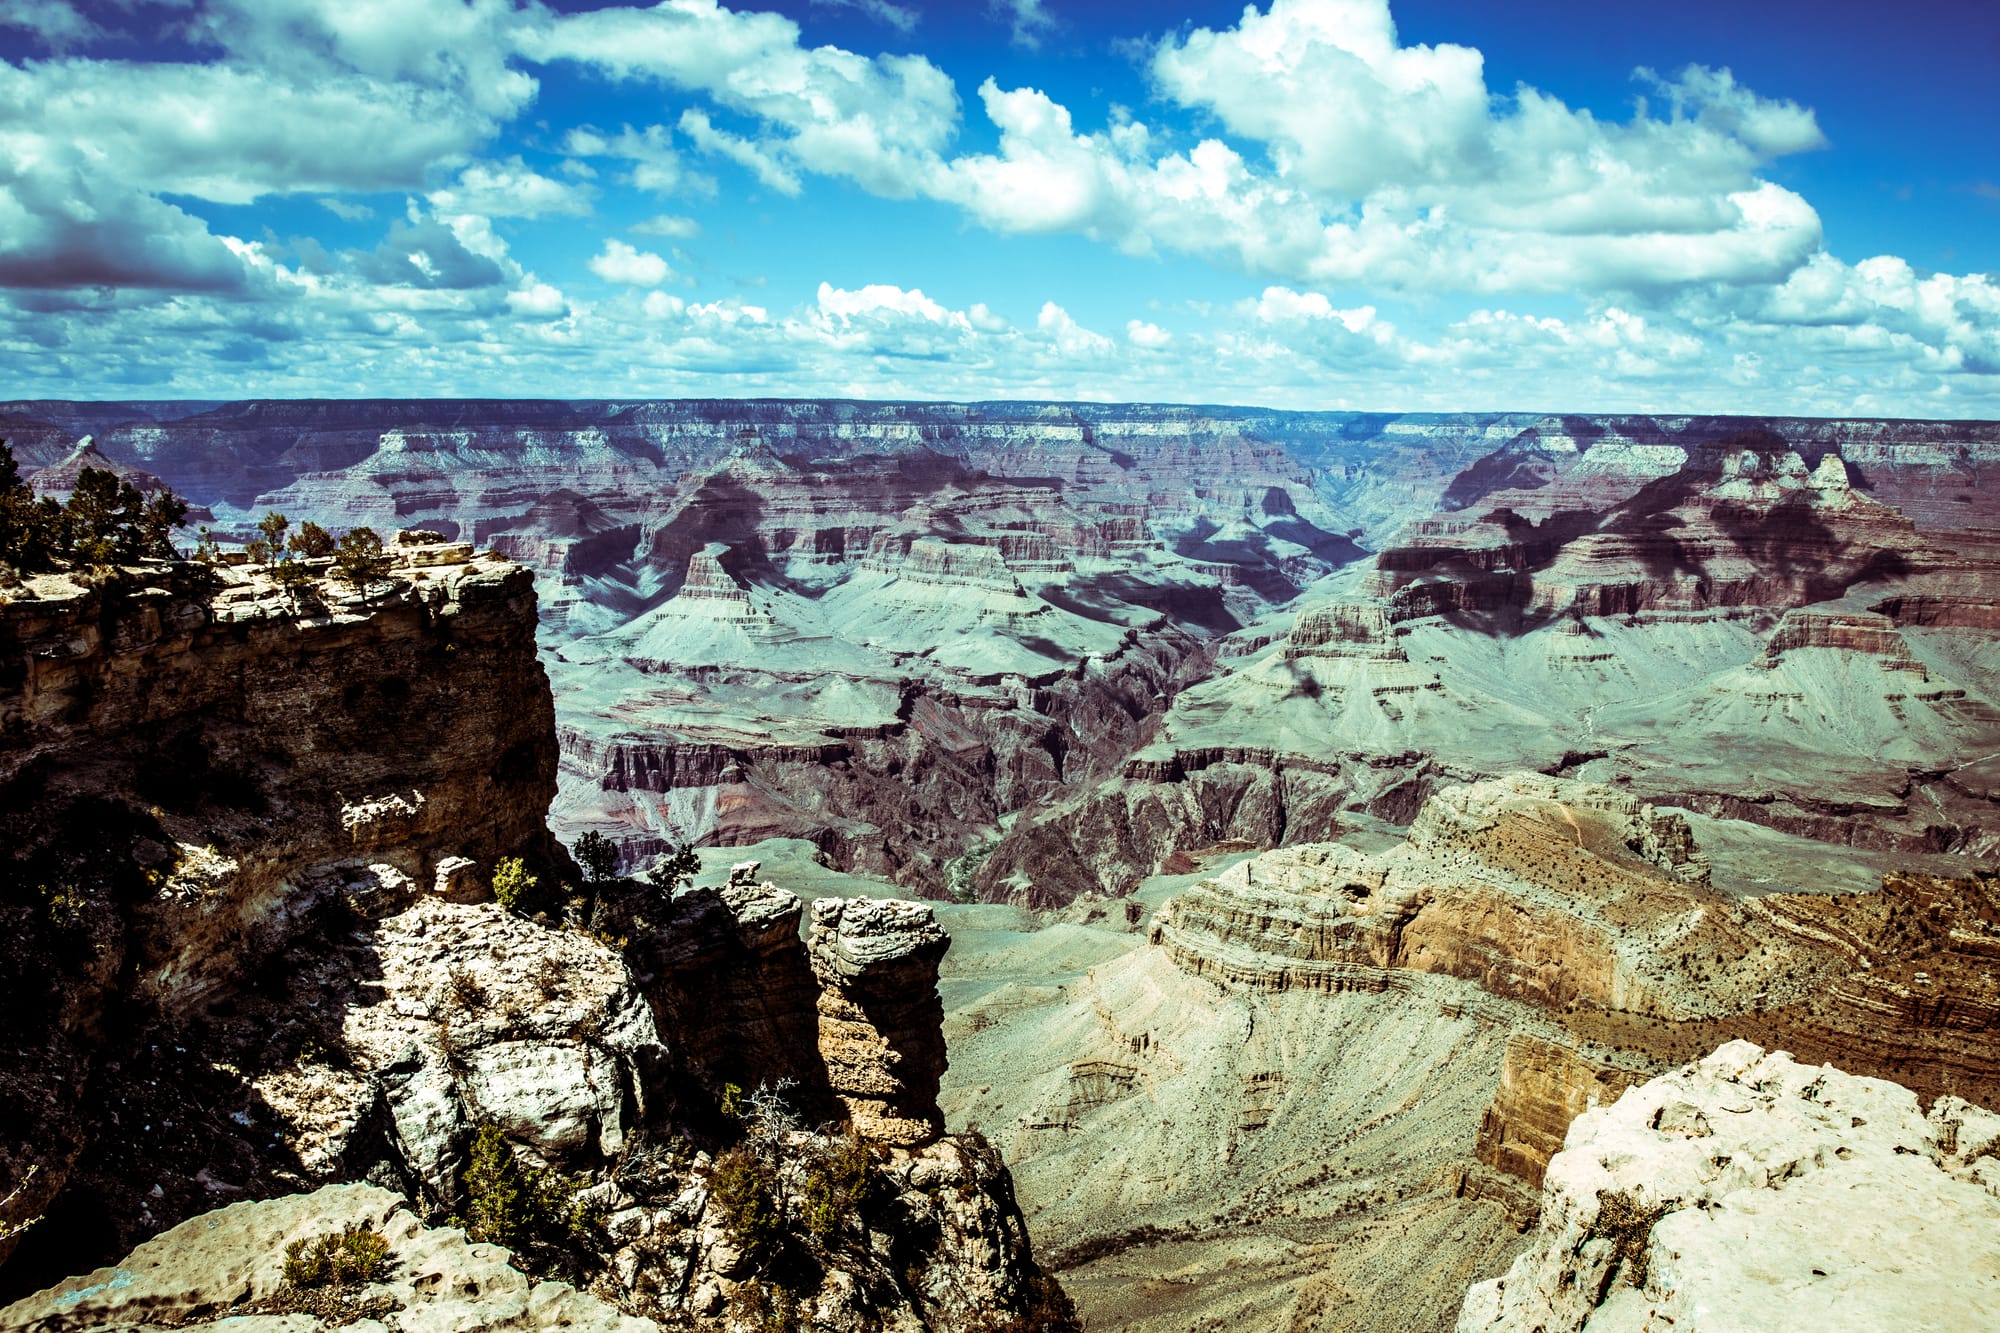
column 1814, row 1199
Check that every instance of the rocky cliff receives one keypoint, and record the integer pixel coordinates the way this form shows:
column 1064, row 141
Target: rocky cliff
column 1547, row 890
column 1748, row 1191
column 197, row 768
column 257, row 951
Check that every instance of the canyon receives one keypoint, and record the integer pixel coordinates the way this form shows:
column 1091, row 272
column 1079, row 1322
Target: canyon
column 1288, row 839
column 257, row 955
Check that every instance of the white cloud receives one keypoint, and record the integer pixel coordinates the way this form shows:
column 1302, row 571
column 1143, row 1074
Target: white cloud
column 666, row 224
column 1395, row 166
column 56, row 24
column 632, row 267
column 509, row 189
column 538, row 300
column 1071, row 339
column 1029, row 21
column 704, row 135
column 900, row 17
column 880, row 121
column 655, row 162
column 347, row 210
column 1140, row 333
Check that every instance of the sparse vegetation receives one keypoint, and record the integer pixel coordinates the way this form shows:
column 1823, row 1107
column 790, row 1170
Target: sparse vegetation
column 1627, row 1224
column 512, row 882
column 348, row 1258
column 524, row 1208
column 835, row 1183
column 745, row 1191
column 106, row 521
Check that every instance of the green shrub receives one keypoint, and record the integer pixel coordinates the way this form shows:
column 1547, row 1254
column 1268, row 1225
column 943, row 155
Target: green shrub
column 745, row 1191
column 836, row 1182
column 347, row 1258
column 519, row 1206
column 512, row 882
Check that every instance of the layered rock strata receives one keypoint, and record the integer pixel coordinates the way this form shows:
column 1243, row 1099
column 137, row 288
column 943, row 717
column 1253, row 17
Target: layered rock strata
column 196, row 764
column 1544, row 1087
column 846, row 1018
column 880, row 1019
column 1548, row 890
column 1747, row 1191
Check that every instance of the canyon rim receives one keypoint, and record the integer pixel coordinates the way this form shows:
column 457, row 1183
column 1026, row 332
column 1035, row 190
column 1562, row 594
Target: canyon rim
column 856, row 665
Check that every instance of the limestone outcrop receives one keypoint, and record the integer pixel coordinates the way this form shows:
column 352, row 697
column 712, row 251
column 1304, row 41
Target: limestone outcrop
column 229, row 1265
column 447, row 1016
column 880, row 1020
column 1746, row 1191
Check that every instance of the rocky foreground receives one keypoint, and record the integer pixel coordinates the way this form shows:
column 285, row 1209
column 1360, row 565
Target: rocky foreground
column 1746, row 1191
column 284, row 915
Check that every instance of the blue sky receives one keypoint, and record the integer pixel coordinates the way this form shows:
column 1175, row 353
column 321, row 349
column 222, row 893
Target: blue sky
column 1444, row 204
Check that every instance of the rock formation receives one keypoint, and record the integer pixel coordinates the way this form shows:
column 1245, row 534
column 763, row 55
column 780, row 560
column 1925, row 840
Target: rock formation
column 229, row 1264
column 1548, row 890
column 1747, row 1191
column 290, row 972
column 1544, row 1087
column 879, row 1016
column 195, row 772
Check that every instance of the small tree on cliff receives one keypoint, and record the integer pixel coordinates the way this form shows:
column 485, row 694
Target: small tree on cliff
column 34, row 532
column 360, row 560
column 273, row 526
column 311, row 541
column 675, row 869
column 598, row 856
column 294, row 578
column 106, row 517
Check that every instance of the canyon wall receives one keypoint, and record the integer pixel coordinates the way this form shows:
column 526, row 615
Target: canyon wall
column 256, row 951
column 890, row 627
column 194, row 768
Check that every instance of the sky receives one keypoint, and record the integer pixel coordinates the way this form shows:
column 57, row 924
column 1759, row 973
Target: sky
column 1546, row 205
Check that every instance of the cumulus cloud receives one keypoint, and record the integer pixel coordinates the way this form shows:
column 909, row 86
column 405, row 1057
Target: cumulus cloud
column 629, row 266
column 1363, row 183
column 1397, row 166
column 509, row 189
column 879, row 121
